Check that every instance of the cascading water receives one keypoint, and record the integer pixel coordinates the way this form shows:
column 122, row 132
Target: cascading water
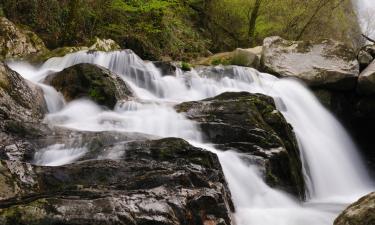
column 334, row 172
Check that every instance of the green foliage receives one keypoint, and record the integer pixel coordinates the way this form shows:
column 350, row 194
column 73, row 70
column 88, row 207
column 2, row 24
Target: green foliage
column 185, row 66
column 180, row 29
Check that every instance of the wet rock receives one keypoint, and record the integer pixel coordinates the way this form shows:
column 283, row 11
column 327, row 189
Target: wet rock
column 16, row 42
column 250, row 123
column 326, row 63
column 22, row 105
column 163, row 181
column 366, row 81
column 20, row 100
column 166, row 68
column 361, row 212
column 90, row 81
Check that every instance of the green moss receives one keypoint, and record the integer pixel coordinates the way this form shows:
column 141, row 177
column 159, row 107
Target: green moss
column 220, row 61
column 185, row 66
column 96, row 94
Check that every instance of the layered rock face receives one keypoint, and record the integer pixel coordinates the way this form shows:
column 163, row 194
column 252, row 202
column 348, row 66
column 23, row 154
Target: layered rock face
column 155, row 182
column 320, row 64
column 22, row 105
column 16, row 42
column 251, row 124
column 361, row 212
column 90, row 81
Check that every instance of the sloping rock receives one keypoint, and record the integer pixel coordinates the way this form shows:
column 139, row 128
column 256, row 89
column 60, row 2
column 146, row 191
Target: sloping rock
column 250, row 123
column 21, row 103
column 16, row 42
column 326, row 63
column 90, row 81
column 20, row 100
column 366, row 80
column 361, row 212
column 163, row 181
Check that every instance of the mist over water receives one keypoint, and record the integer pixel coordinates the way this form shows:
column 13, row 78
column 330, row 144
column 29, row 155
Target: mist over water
column 334, row 172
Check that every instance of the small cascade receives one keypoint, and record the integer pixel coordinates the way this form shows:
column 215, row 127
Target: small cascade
column 334, row 171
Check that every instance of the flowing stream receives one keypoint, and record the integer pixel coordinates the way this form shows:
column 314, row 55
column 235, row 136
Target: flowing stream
column 333, row 170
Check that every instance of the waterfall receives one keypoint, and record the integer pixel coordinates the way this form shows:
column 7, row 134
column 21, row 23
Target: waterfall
column 334, row 172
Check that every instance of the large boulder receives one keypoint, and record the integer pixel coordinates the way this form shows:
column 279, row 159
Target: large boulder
column 90, row 81
column 16, row 42
column 361, row 212
column 325, row 63
column 166, row 182
column 251, row 124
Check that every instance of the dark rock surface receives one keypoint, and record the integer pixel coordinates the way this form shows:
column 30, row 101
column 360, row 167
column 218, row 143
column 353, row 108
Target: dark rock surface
column 250, row 123
column 361, row 212
column 90, row 81
column 155, row 182
column 326, row 63
column 366, row 81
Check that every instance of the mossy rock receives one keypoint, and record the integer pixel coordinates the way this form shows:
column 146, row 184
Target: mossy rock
column 90, row 81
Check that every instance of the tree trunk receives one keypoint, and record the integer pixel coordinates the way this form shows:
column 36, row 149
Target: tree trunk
column 252, row 21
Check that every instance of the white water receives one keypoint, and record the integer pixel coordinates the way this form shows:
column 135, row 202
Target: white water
column 366, row 16
column 334, row 172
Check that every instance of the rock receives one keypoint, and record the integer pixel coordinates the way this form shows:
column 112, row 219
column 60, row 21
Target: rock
column 369, row 49
column 366, row 80
column 90, row 81
column 245, row 57
column 166, row 68
column 163, row 181
column 16, row 42
column 361, row 212
column 240, row 57
column 250, row 123
column 20, row 100
column 326, row 63
column 21, row 104
column 104, row 45
column 364, row 59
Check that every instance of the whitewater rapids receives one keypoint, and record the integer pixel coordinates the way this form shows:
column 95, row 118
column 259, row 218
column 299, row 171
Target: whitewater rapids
column 334, row 173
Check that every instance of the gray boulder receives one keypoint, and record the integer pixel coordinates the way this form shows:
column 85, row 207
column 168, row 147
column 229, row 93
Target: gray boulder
column 361, row 212
column 326, row 63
